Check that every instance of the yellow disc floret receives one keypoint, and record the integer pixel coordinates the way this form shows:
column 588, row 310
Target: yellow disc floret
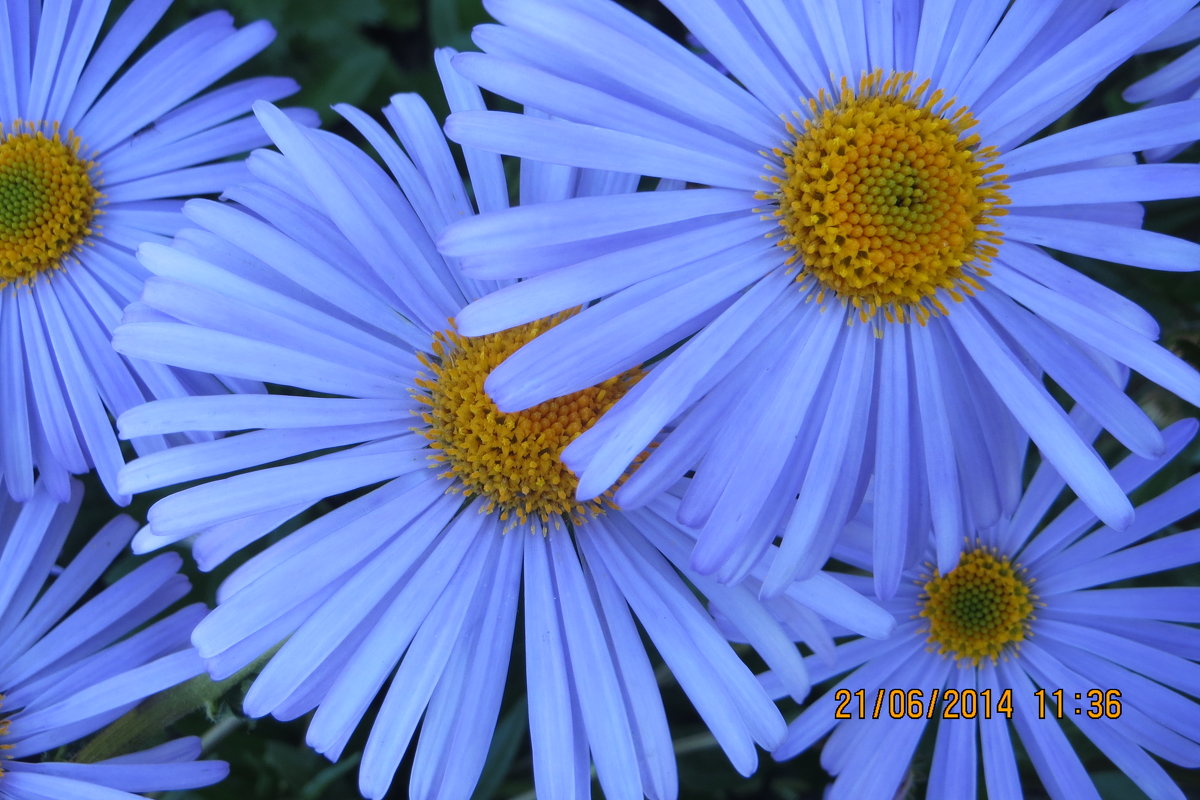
column 978, row 609
column 3, row 733
column 509, row 459
column 47, row 200
column 883, row 198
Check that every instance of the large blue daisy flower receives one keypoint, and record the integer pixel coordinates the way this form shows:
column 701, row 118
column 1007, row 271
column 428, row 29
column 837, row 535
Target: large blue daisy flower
column 1028, row 628
column 90, row 156
column 68, row 668
column 323, row 276
column 857, row 257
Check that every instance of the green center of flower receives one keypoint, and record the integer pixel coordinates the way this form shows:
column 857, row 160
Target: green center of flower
column 47, row 201
column 512, row 460
column 978, row 609
column 883, row 198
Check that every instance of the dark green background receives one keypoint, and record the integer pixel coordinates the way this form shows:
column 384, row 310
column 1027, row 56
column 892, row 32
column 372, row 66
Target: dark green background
column 363, row 51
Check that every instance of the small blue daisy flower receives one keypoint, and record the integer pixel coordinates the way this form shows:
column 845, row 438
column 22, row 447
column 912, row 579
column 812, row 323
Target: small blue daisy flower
column 323, row 277
column 1027, row 628
column 90, row 157
column 68, row 668
column 1178, row 80
column 855, row 266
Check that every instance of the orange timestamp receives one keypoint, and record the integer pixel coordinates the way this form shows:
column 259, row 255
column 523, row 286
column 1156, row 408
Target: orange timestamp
column 1096, row 704
column 969, row 704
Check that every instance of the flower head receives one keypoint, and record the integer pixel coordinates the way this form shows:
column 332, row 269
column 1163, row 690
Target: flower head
column 68, row 668
column 851, row 256
column 1038, row 627
column 324, row 278
column 91, row 159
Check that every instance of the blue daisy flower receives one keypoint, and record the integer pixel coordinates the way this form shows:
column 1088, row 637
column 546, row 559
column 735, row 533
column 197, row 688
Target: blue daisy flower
column 1028, row 628
column 90, row 158
column 68, row 668
column 1178, row 80
column 323, row 276
column 856, row 261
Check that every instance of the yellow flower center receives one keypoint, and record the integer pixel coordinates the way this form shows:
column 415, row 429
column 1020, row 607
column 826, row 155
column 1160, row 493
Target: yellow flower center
column 47, row 200
column 979, row 608
column 3, row 733
column 511, row 460
column 883, row 198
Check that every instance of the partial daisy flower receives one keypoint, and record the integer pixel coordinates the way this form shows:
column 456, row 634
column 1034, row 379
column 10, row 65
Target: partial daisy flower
column 1040, row 624
column 1178, row 80
column 68, row 668
column 90, row 157
column 855, row 267
column 323, row 277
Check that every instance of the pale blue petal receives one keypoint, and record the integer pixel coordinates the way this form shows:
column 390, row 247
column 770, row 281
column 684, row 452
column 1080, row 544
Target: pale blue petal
column 238, row 356
column 952, row 774
column 628, row 52
column 1077, row 65
column 550, row 292
column 489, row 186
column 826, row 495
column 675, row 381
column 1107, row 185
column 1106, row 335
column 656, row 308
column 944, row 492
column 1078, row 375
column 643, row 699
column 580, row 103
column 16, row 448
column 422, row 667
column 178, row 67
column 1044, row 420
column 1179, row 74
column 71, row 584
column 1144, row 559
column 551, row 703
column 32, row 786
column 752, row 54
column 1130, row 473
column 776, row 402
column 50, row 405
column 610, row 737
column 459, row 723
column 1170, row 603
column 1000, row 776
column 1052, row 755
column 1132, row 246
column 1137, row 130
column 133, row 777
column 583, row 218
column 237, row 412
column 346, row 537
column 128, row 687
column 372, row 582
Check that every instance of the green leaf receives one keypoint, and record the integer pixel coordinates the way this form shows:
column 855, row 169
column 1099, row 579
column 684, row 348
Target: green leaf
column 316, row 788
column 404, row 15
column 350, row 81
column 144, row 725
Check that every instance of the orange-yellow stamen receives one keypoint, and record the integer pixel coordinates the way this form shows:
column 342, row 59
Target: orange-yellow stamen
column 883, row 198
column 3, row 733
column 509, row 459
column 979, row 609
column 47, row 200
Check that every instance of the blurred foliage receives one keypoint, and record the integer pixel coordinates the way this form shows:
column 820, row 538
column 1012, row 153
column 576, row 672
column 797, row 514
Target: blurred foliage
column 363, row 51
